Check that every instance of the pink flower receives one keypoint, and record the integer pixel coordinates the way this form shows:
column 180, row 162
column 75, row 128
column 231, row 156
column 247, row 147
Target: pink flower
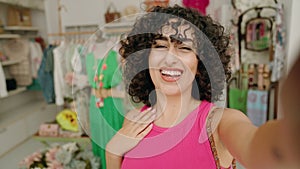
column 54, row 165
column 50, row 155
column 69, row 77
column 36, row 156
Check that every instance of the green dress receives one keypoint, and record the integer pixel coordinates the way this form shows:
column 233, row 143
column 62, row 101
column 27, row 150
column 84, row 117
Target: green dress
column 107, row 120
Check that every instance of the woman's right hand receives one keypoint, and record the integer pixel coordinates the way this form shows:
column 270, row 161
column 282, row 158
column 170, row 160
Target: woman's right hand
column 135, row 127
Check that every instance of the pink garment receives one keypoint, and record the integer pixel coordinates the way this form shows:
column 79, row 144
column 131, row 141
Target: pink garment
column 200, row 5
column 185, row 145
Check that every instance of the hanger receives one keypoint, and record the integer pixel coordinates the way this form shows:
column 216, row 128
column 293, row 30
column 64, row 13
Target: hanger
column 99, row 36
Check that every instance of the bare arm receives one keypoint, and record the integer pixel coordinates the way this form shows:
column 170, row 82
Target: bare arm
column 255, row 148
column 274, row 144
column 113, row 161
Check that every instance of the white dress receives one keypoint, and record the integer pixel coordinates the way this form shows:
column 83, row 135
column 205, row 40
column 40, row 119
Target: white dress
column 3, row 90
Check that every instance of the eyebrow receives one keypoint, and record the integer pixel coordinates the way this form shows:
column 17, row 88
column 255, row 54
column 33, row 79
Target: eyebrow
column 182, row 41
column 162, row 38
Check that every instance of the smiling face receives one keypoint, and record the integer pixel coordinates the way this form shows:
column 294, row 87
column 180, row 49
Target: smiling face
column 172, row 60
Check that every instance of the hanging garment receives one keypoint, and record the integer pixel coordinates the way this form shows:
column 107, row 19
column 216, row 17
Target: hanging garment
column 18, row 50
column 238, row 99
column 105, row 120
column 200, row 5
column 36, row 55
column 59, row 73
column 279, row 45
column 45, row 75
column 67, row 67
column 3, row 90
column 79, row 88
column 257, row 106
column 81, row 103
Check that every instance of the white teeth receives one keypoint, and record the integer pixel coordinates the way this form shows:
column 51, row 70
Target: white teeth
column 171, row 72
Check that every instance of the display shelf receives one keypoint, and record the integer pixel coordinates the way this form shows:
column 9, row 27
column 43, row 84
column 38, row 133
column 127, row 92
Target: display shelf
column 61, row 139
column 16, row 91
column 10, row 62
column 84, row 141
column 32, row 4
column 20, row 28
column 9, row 36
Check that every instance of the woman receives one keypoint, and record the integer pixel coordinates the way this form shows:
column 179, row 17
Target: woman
column 175, row 62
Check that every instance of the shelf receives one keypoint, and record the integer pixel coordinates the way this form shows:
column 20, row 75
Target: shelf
column 10, row 62
column 20, row 28
column 83, row 141
column 61, row 139
column 9, row 36
column 16, row 91
column 32, row 4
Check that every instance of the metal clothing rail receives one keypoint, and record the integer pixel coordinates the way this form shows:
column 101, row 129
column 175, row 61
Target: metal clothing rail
column 72, row 33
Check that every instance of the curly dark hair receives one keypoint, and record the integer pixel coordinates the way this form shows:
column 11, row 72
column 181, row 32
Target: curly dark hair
column 211, row 45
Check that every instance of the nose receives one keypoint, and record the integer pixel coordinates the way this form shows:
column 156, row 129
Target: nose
column 171, row 57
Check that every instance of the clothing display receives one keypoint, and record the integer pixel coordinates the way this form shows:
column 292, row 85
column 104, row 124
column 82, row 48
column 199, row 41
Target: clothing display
column 19, row 50
column 3, row 90
column 36, row 54
column 199, row 5
column 238, row 99
column 59, row 72
column 257, row 106
column 45, row 75
column 279, row 40
column 107, row 119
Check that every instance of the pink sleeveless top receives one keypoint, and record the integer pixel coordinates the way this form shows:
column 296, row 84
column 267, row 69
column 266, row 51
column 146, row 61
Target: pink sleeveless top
column 185, row 145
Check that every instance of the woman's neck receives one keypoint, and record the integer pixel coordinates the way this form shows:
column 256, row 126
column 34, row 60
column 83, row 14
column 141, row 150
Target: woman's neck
column 171, row 110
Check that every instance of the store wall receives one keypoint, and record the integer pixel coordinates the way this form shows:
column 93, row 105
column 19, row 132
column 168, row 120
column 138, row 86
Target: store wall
column 78, row 12
column 293, row 33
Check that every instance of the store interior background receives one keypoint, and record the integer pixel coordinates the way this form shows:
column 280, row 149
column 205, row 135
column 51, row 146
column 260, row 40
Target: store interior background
column 16, row 141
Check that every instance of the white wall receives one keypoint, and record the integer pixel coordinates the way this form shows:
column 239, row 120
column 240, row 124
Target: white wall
column 293, row 33
column 79, row 12
column 51, row 11
column 88, row 12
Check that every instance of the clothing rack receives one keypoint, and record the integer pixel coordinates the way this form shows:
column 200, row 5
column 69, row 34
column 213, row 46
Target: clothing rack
column 60, row 32
column 71, row 33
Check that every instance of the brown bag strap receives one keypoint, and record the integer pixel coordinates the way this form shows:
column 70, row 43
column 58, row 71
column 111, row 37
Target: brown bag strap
column 212, row 141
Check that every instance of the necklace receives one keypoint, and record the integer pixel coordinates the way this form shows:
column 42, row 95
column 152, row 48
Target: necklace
column 98, row 79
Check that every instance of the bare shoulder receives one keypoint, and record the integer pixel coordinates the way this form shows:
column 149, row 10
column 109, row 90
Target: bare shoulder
column 231, row 119
column 226, row 116
column 234, row 114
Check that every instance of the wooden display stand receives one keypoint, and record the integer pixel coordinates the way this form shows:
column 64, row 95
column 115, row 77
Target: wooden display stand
column 83, row 141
